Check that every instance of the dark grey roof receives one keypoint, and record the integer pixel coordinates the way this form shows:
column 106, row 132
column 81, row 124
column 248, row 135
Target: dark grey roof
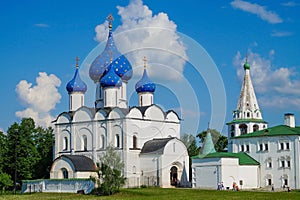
column 142, row 108
column 155, row 146
column 81, row 163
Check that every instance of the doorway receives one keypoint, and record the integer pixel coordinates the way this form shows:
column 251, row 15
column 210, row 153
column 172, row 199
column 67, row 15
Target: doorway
column 174, row 176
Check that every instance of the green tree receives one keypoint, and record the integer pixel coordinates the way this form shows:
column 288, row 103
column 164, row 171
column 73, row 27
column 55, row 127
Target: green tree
column 44, row 140
column 110, row 172
column 220, row 141
column 190, row 142
column 2, row 149
column 5, row 181
column 21, row 154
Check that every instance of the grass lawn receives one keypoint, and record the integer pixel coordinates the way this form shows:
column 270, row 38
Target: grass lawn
column 159, row 193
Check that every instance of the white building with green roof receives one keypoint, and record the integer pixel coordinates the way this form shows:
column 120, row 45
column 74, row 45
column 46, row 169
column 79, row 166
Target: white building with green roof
column 258, row 156
column 212, row 168
column 277, row 150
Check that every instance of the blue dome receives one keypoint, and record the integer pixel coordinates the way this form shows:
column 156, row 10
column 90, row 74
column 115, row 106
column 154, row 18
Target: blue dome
column 122, row 68
column 111, row 79
column 101, row 62
column 145, row 84
column 76, row 84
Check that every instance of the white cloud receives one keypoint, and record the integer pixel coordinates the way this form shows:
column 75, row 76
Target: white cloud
column 281, row 33
column 273, row 85
column 41, row 25
column 258, row 10
column 150, row 35
column 39, row 99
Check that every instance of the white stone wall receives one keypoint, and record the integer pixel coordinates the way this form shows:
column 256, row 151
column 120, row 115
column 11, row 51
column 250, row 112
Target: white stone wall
column 274, row 155
column 208, row 172
column 101, row 130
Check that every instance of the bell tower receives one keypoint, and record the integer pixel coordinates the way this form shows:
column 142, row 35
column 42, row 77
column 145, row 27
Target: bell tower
column 247, row 117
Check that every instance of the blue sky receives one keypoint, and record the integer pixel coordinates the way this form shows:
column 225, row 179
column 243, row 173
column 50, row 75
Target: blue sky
column 40, row 40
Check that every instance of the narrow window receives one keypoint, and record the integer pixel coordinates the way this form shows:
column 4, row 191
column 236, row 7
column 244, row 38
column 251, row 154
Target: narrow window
column 134, row 142
column 282, row 163
column 287, row 145
column 117, row 142
column 65, row 144
column 174, row 145
column 288, row 163
column 102, row 142
column 248, row 148
column 285, row 181
column 281, row 146
column 260, row 147
column 242, row 148
column 266, row 147
column 84, row 141
column 269, row 181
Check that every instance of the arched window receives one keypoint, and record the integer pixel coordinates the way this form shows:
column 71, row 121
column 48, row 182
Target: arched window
column 65, row 173
column 84, row 143
column 117, row 141
column 134, row 142
column 65, row 144
column 243, row 129
column 255, row 127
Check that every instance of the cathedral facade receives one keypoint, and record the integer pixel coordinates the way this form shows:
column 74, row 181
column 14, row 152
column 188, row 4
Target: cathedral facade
column 145, row 136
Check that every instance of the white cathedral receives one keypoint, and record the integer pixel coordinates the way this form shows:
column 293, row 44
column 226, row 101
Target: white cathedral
column 145, row 136
column 258, row 156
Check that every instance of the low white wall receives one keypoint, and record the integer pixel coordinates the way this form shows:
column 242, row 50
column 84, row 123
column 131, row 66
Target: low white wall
column 54, row 185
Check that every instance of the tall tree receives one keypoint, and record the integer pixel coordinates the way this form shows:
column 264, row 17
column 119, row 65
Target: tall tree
column 110, row 172
column 220, row 141
column 21, row 155
column 2, row 149
column 190, row 142
column 44, row 140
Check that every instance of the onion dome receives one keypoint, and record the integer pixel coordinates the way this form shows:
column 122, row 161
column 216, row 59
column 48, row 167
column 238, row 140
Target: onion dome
column 76, row 84
column 145, row 84
column 100, row 64
column 246, row 65
column 122, row 68
column 111, row 79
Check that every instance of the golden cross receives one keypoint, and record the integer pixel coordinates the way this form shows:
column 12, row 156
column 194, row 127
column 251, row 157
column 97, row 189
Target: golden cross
column 145, row 61
column 110, row 19
column 77, row 60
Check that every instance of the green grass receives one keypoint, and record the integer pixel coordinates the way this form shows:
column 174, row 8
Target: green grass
column 159, row 193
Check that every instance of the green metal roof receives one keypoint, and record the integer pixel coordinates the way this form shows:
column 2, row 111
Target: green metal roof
column 246, row 120
column 208, row 146
column 280, row 130
column 244, row 158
